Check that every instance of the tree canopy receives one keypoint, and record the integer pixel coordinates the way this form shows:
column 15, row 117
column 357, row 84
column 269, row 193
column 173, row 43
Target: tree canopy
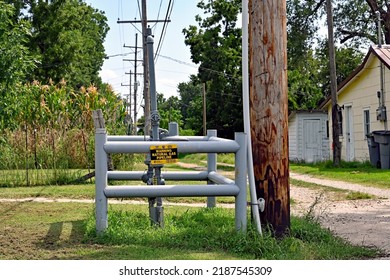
column 67, row 36
column 216, row 45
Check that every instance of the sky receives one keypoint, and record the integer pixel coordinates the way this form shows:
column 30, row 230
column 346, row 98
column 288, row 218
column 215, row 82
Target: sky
column 174, row 64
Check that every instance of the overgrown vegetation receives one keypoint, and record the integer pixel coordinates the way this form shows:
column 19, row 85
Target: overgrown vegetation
column 208, row 230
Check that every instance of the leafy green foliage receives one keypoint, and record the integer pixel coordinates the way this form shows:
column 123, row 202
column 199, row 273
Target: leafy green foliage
column 216, row 46
column 15, row 58
column 69, row 36
column 355, row 21
column 65, row 40
column 169, row 110
column 16, row 61
column 191, row 103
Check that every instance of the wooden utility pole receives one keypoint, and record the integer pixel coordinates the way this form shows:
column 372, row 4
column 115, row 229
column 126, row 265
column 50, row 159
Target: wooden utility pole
column 146, row 68
column 269, row 110
column 333, row 87
column 145, row 33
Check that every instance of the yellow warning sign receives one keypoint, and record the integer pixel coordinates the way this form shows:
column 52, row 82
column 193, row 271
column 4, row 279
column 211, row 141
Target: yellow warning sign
column 163, row 154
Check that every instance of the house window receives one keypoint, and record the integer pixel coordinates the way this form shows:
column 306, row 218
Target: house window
column 366, row 122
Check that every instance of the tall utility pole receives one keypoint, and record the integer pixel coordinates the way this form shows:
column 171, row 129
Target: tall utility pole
column 269, row 110
column 146, row 68
column 145, row 33
column 333, row 87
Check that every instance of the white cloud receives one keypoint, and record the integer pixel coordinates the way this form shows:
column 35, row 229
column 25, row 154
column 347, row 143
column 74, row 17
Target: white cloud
column 107, row 75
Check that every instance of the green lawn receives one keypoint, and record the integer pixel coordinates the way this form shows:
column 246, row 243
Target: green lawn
column 358, row 173
column 32, row 230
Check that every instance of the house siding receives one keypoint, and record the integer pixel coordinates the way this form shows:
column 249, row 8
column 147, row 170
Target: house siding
column 361, row 94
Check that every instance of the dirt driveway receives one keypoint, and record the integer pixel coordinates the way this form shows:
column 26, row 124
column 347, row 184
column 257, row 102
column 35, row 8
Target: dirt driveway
column 363, row 222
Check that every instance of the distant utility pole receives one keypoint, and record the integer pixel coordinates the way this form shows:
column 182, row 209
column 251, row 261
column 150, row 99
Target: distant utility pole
column 269, row 110
column 333, row 87
column 145, row 30
column 135, row 85
column 128, row 100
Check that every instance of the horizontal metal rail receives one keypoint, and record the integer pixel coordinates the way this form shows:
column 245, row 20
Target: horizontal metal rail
column 132, row 138
column 171, row 190
column 167, row 175
column 211, row 146
column 127, row 138
column 219, row 179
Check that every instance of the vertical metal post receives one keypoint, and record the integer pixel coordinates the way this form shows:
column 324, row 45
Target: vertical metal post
column 173, row 129
column 240, row 175
column 156, row 212
column 154, row 115
column 211, row 166
column 204, row 109
column 101, row 203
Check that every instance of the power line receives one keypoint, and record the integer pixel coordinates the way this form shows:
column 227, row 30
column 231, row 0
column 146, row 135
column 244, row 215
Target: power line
column 158, row 13
column 164, row 29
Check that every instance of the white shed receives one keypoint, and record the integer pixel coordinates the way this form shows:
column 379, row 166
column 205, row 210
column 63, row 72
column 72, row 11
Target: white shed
column 308, row 136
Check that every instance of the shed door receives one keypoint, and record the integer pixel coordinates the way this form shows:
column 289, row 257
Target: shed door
column 312, row 140
column 350, row 149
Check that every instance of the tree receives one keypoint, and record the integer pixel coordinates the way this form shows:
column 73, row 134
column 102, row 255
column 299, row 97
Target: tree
column 304, row 84
column 68, row 37
column 355, row 21
column 302, row 30
column 16, row 62
column 347, row 60
column 191, row 104
column 216, row 46
column 169, row 110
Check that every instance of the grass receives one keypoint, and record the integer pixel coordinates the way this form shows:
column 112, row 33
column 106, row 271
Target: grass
column 354, row 172
column 38, row 177
column 31, row 230
column 66, row 231
column 213, row 231
column 337, row 194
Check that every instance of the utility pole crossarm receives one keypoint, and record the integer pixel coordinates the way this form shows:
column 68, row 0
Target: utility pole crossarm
column 140, row 21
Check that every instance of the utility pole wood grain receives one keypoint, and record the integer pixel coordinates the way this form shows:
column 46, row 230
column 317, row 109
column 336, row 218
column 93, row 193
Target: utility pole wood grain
column 269, row 110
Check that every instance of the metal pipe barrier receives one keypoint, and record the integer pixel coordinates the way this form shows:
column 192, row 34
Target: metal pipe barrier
column 218, row 185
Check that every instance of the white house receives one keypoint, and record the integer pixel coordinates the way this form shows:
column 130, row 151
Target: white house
column 363, row 99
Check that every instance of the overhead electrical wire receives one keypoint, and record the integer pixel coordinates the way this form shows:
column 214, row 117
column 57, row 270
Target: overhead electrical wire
column 158, row 13
column 164, row 29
